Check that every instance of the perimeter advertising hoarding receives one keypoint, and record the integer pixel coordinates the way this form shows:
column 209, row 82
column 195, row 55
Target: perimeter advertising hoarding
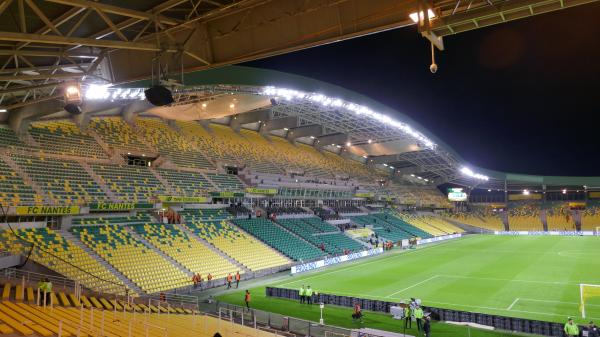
column 334, row 260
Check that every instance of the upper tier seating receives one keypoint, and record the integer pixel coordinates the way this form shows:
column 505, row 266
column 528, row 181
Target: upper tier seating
column 347, row 209
column 189, row 184
column 13, row 190
column 118, row 134
column 65, row 138
column 238, row 210
column 61, row 255
column 9, row 140
column 243, row 248
column 431, row 224
column 129, row 219
column 186, row 250
column 173, row 145
column 285, row 210
column 279, row 239
column 130, row 183
column 149, row 270
column 403, row 225
column 65, row 182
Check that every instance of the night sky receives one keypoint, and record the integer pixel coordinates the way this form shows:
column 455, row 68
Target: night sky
column 518, row 97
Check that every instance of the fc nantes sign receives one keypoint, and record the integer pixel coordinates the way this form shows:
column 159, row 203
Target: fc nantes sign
column 254, row 190
column 105, row 206
column 47, row 210
column 174, row 199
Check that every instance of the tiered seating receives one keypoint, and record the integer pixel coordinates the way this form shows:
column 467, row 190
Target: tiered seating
column 13, row 190
column 559, row 218
column 403, row 225
column 320, row 225
column 65, row 182
column 186, row 183
column 130, row 183
column 170, row 143
column 525, row 217
column 59, row 254
column 150, row 271
column 186, row 250
column 205, row 214
column 590, row 218
column 118, row 134
column 488, row 221
column 382, row 228
column 226, row 182
column 285, row 210
column 279, row 239
column 431, row 224
column 65, row 138
column 238, row 210
column 245, row 249
column 333, row 242
column 8, row 139
column 66, row 318
column 130, row 219
column 347, row 209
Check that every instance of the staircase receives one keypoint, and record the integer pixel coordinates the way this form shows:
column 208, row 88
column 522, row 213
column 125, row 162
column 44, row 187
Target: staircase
column 28, row 181
column 168, row 188
column 99, row 181
column 75, row 240
column 159, row 252
column 213, row 248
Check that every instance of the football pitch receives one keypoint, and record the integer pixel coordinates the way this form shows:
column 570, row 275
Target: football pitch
column 534, row 277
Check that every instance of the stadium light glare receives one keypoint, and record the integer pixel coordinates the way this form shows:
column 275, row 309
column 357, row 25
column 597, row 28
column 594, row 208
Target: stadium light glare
column 525, row 192
column 384, row 164
column 312, row 137
column 468, row 172
column 365, row 157
column 564, row 191
column 489, row 190
column 290, row 95
column 415, row 16
column 412, row 175
column 3, row 110
column 348, row 144
column 370, row 141
column 285, row 129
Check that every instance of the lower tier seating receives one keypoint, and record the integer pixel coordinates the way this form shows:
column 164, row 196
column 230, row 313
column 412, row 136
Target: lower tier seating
column 148, row 269
column 279, row 239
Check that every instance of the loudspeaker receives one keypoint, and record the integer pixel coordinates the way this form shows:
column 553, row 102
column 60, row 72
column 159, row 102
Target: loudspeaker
column 73, row 109
column 159, row 95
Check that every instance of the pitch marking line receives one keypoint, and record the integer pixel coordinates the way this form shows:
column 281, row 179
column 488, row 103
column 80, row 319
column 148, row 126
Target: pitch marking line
column 513, row 303
column 508, row 280
column 414, row 285
column 352, row 266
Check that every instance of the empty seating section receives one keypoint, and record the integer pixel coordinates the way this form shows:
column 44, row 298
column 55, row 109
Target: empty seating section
column 245, row 249
column 118, row 134
column 65, row 138
column 559, row 218
column 382, row 228
column 142, row 265
column 279, row 239
column 403, row 225
column 130, row 183
column 488, row 220
column 332, row 242
column 432, row 224
column 226, row 182
column 525, row 217
column 186, row 250
column 65, row 182
column 129, row 219
column 590, row 218
column 61, row 255
column 172, row 144
column 13, row 190
column 320, row 225
column 205, row 214
column 186, row 183
column 8, row 139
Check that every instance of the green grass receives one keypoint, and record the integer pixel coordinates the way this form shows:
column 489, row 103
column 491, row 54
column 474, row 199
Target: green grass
column 533, row 277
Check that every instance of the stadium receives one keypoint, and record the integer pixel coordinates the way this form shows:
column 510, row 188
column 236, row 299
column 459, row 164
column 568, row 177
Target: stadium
column 152, row 186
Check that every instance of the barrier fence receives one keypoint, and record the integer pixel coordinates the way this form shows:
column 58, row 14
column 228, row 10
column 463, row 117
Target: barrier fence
column 498, row 322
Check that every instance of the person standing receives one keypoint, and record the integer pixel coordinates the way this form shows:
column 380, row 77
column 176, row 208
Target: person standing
column 237, row 279
column 308, row 293
column 247, row 299
column 208, row 280
column 48, row 291
column 229, row 278
column 407, row 318
column 571, row 329
column 427, row 326
column 195, row 280
column 593, row 330
column 419, row 317
column 302, row 294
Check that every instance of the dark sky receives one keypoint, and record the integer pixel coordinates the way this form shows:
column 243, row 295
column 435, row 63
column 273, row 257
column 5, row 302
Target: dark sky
column 519, row 97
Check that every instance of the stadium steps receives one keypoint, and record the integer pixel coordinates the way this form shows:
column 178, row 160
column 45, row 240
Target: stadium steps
column 75, row 240
column 159, row 252
column 26, row 178
column 214, row 249
column 168, row 188
column 98, row 181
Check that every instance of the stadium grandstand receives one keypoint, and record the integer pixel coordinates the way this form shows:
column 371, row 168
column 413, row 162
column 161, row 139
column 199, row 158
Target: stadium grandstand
column 143, row 177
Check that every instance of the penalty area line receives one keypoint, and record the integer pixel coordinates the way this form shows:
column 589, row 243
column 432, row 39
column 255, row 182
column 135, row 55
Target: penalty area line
column 513, row 303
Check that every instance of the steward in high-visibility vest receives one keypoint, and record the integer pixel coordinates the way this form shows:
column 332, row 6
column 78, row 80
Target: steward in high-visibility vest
column 302, row 294
column 308, row 293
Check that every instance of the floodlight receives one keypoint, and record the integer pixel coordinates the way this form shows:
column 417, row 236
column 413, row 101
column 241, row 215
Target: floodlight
column 415, row 16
